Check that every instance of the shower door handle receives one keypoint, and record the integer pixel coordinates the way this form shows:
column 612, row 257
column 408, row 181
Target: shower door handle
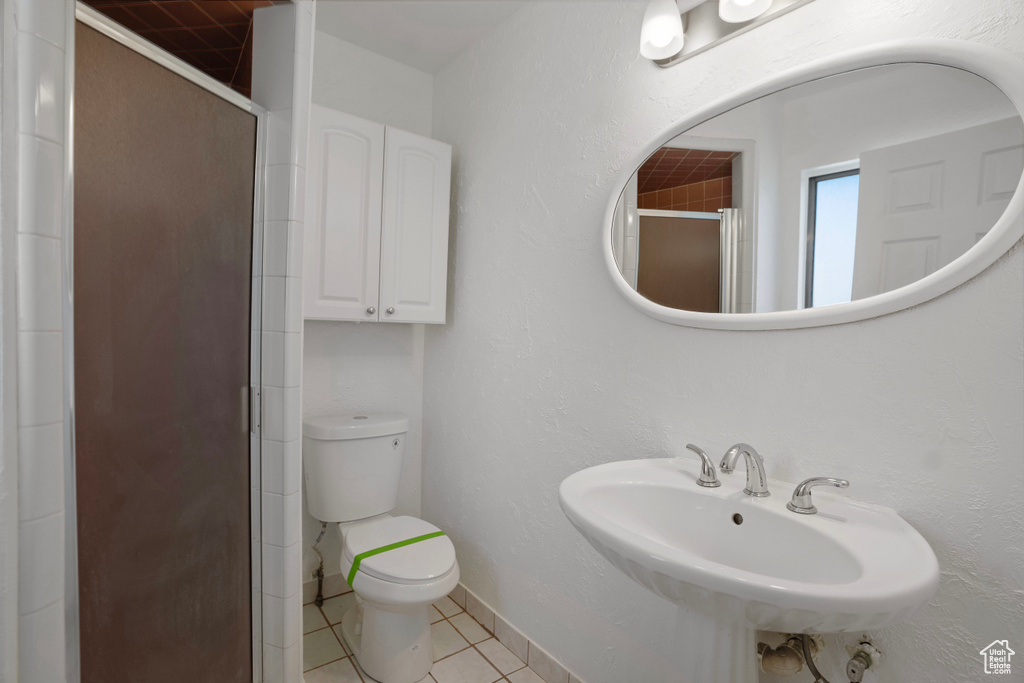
column 255, row 410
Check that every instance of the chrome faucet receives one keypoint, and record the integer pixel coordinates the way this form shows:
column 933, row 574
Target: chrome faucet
column 757, row 482
column 707, row 477
column 801, row 502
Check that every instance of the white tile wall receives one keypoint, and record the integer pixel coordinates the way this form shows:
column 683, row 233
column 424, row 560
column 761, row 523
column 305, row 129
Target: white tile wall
column 40, row 580
column 282, row 622
column 282, row 466
column 281, row 584
column 279, row 182
column 281, row 366
column 40, row 164
column 40, row 378
column 281, row 416
column 283, row 36
column 41, row 471
column 41, row 645
column 40, row 56
column 277, row 660
column 46, row 21
column 279, row 136
column 39, row 292
column 277, row 529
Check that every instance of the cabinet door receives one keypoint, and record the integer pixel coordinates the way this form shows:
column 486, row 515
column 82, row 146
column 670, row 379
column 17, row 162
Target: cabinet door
column 343, row 214
column 414, row 238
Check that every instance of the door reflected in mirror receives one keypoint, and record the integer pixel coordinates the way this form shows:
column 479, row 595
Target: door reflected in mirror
column 834, row 190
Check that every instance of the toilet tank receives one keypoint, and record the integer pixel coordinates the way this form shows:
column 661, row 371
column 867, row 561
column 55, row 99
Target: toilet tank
column 352, row 464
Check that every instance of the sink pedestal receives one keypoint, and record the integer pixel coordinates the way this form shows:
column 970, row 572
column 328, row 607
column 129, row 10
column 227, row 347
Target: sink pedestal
column 711, row 650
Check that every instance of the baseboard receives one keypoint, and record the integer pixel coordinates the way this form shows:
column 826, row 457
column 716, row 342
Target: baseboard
column 537, row 658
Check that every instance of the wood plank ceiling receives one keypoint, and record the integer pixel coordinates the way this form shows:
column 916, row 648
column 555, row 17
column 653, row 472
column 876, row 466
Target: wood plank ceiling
column 215, row 36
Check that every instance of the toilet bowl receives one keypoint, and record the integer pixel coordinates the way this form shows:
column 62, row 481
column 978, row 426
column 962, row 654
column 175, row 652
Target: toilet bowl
column 388, row 630
column 397, row 566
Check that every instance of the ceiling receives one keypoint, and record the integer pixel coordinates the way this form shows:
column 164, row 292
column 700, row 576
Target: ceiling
column 214, row 36
column 423, row 34
column 673, row 167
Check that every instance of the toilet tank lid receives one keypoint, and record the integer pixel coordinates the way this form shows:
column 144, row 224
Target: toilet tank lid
column 355, row 426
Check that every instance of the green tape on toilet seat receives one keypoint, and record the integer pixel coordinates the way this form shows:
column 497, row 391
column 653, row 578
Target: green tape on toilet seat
column 383, row 549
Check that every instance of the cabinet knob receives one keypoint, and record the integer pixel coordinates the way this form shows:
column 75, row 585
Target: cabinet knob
column 390, row 311
column 371, row 310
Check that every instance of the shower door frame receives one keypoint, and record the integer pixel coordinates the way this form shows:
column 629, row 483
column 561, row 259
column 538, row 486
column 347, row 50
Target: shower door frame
column 129, row 39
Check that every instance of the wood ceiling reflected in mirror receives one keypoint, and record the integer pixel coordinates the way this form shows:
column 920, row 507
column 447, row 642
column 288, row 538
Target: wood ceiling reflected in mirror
column 214, row 36
column 686, row 180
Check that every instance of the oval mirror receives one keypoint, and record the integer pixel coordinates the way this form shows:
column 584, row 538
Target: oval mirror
column 836, row 198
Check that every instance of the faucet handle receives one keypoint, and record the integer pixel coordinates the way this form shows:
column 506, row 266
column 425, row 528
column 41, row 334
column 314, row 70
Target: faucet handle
column 707, row 468
column 801, row 502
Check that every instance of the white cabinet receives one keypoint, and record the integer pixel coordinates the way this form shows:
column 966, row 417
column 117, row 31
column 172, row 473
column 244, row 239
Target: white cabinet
column 376, row 238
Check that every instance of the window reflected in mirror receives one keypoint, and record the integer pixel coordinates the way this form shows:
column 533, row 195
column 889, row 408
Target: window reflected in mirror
column 831, row 237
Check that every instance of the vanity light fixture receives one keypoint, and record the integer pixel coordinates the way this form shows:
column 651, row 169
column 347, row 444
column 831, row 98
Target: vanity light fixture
column 661, row 36
column 739, row 11
column 707, row 22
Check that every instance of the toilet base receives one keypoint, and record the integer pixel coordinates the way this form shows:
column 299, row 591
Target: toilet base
column 393, row 643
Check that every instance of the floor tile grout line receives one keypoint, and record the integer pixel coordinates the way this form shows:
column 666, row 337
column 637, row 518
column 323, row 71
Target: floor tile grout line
column 504, row 677
column 491, row 635
column 352, row 663
column 320, row 666
column 461, row 610
column 503, row 674
column 344, row 648
column 345, row 653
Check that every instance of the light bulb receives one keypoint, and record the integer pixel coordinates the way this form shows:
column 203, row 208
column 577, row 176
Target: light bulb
column 739, row 11
column 661, row 35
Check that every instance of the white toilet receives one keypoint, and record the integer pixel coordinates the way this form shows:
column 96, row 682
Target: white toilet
column 352, row 466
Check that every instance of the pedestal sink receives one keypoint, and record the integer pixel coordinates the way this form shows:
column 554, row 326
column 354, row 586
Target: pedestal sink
column 739, row 564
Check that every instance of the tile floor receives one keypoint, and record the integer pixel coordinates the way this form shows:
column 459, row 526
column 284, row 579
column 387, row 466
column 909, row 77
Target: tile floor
column 464, row 652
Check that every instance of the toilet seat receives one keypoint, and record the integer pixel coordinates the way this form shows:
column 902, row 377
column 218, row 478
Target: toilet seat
column 417, row 563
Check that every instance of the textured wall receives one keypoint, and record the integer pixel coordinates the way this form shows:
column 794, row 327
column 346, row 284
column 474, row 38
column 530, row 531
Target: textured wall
column 366, row 367
column 543, row 369
column 356, row 81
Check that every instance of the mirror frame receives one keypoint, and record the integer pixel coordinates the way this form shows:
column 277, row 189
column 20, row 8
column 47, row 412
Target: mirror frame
column 1001, row 69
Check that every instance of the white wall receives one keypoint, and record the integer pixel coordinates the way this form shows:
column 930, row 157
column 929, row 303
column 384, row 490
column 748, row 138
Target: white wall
column 543, row 368
column 366, row 367
column 354, row 80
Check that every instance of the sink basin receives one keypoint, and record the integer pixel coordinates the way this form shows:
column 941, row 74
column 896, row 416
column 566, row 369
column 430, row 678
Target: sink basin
column 750, row 562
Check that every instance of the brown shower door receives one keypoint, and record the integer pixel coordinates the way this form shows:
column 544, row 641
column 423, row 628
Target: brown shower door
column 164, row 174
column 679, row 262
